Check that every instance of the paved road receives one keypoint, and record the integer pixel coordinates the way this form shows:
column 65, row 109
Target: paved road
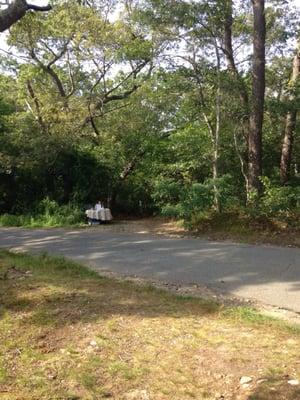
column 266, row 273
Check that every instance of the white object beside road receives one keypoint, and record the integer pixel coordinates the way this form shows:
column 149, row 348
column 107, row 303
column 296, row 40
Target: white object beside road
column 103, row 214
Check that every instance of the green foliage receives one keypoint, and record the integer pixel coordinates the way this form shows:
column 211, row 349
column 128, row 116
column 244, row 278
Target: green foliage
column 199, row 197
column 186, row 200
column 48, row 214
column 276, row 201
column 14, row 220
column 276, row 210
column 101, row 104
column 168, row 191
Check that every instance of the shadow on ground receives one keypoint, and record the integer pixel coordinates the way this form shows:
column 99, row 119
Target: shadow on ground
column 135, row 335
column 265, row 273
column 55, row 296
column 275, row 388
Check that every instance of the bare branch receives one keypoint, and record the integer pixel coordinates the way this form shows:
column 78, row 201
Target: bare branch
column 60, row 54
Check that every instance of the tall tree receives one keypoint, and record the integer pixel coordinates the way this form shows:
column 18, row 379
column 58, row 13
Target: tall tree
column 88, row 64
column 227, row 49
column 243, row 114
column 258, row 96
column 290, row 122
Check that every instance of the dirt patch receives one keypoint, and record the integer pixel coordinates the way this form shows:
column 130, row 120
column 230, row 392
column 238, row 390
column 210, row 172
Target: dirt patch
column 159, row 226
column 290, row 238
column 285, row 237
column 13, row 273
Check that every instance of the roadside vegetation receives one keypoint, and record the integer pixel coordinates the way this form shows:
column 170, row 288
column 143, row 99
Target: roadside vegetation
column 282, row 229
column 172, row 111
column 67, row 333
column 276, row 221
column 47, row 214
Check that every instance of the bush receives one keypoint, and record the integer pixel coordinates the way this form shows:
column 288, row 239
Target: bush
column 167, row 192
column 185, row 201
column 278, row 199
column 213, row 220
column 11, row 220
column 172, row 210
column 48, row 213
column 276, row 210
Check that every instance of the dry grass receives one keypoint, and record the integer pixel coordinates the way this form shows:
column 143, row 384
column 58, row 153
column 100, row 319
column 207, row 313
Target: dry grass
column 66, row 333
column 242, row 227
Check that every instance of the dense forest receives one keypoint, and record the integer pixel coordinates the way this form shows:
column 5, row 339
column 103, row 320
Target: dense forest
column 175, row 107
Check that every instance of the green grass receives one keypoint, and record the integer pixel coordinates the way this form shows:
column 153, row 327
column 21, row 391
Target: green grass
column 46, row 214
column 67, row 333
column 41, row 220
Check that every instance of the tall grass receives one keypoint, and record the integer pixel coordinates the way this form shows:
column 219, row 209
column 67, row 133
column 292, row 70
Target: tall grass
column 47, row 214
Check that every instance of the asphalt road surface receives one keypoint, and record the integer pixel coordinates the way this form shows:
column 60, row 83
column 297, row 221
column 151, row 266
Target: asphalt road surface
column 267, row 274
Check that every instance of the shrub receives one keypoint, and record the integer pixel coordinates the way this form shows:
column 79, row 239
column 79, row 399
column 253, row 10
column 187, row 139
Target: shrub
column 48, row 213
column 185, row 201
column 10, row 220
column 167, row 192
column 172, row 210
column 278, row 199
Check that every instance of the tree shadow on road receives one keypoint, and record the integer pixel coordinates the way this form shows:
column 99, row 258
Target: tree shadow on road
column 224, row 266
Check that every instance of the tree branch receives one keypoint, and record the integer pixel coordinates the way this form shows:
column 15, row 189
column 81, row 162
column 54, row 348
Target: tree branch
column 47, row 68
column 17, row 10
column 39, row 8
column 121, row 96
column 37, row 106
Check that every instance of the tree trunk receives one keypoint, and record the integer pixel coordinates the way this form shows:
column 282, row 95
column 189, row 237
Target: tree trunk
column 215, row 173
column 216, row 138
column 258, row 96
column 243, row 124
column 290, row 124
column 127, row 170
column 15, row 11
column 229, row 56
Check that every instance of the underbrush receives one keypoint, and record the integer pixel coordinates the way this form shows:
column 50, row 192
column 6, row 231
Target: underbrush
column 47, row 214
column 241, row 220
column 282, row 229
column 276, row 212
